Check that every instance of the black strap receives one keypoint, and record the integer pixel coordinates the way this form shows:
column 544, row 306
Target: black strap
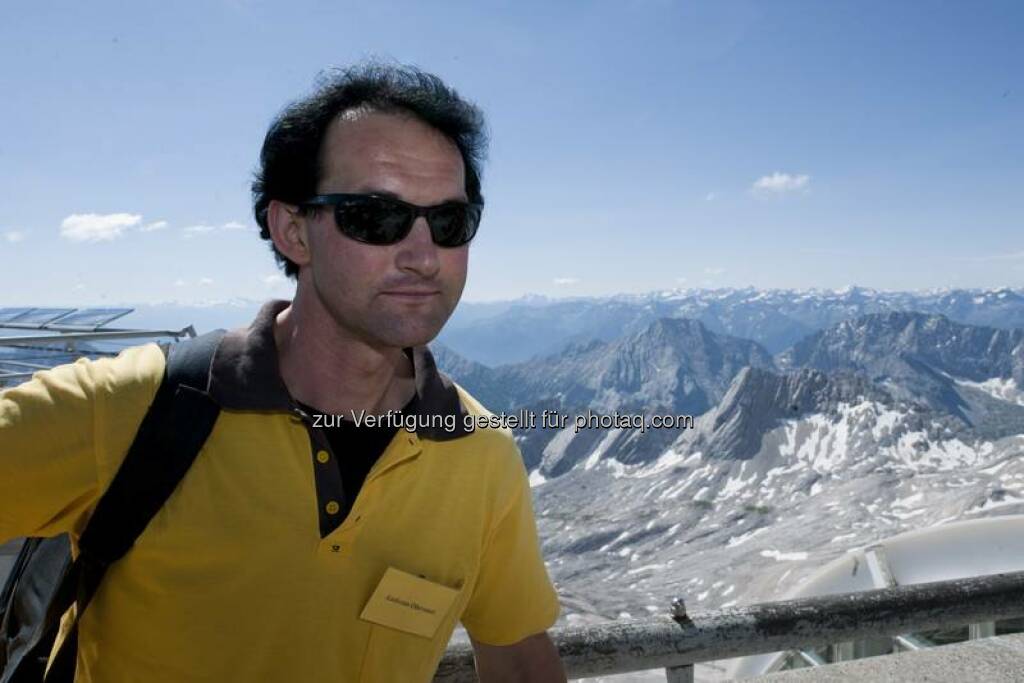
column 170, row 436
column 172, row 433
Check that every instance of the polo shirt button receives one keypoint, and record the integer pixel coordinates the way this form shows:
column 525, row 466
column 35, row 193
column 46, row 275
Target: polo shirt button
column 332, row 508
column 322, row 456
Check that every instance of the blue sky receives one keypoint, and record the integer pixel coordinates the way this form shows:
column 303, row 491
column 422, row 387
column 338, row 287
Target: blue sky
column 636, row 145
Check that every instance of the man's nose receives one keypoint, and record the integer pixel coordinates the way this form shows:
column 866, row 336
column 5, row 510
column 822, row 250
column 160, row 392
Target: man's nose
column 417, row 252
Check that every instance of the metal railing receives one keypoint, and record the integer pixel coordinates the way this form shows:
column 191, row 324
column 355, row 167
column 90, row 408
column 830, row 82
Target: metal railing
column 101, row 335
column 675, row 641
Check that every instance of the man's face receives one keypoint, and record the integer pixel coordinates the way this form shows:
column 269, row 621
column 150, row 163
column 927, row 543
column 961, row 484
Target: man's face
column 395, row 295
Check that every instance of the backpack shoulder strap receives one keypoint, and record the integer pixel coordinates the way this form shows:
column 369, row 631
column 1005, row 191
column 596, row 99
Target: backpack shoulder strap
column 178, row 422
column 171, row 434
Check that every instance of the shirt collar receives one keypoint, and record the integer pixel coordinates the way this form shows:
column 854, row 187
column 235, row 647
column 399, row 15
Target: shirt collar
column 244, row 375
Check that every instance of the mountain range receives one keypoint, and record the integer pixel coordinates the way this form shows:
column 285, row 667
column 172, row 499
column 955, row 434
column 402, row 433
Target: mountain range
column 867, row 426
column 498, row 333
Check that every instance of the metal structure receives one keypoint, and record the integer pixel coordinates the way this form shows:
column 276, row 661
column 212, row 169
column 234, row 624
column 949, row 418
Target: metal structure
column 675, row 643
column 33, row 339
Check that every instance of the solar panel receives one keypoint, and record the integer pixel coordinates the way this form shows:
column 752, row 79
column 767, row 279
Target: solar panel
column 93, row 317
column 11, row 313
column 40, row 316
column 59, row 318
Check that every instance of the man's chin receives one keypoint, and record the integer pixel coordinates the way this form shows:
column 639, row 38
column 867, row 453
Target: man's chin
column 410, row 335
column 409, row 342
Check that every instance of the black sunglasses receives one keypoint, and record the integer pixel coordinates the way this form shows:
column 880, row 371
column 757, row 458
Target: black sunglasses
column 374, row 219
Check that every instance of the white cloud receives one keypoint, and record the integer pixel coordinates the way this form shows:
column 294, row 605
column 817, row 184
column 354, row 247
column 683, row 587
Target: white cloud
column 274, row 279
column 561, row 281
column 94, row 227
column 714, row 271
column 179, row 282
column 14, row 236
column 205, row 281
column 710, row 197
column 155, row 225
column 235, row 225
column 681, row 279
column 780, row 183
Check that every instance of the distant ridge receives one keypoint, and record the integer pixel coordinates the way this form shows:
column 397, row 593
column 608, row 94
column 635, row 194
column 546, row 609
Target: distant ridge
column 497, row 333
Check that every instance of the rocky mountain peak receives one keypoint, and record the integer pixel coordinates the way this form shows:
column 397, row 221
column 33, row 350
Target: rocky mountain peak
column 757, row 400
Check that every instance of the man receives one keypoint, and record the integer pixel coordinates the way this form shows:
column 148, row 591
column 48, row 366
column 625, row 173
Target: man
column 291, row 551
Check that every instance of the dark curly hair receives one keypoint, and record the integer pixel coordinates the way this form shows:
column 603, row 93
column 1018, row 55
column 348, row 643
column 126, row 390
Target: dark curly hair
column 289, row 168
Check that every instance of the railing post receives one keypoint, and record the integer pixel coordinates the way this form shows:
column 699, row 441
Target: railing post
column 811, row 657
column 910, row 642
column 985, row 629
column 842, row 652
column 679, row 674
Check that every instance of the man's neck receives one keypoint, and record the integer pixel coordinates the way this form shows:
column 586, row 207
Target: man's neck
column 325, row 367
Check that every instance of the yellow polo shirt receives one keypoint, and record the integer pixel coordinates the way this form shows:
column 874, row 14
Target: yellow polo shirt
column 239, row 576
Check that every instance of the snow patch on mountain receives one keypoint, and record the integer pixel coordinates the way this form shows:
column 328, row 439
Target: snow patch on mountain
column 867, row 434
column 1002, row 388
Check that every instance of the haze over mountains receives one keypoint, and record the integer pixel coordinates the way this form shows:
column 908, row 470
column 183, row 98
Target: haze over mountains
column 505, row 332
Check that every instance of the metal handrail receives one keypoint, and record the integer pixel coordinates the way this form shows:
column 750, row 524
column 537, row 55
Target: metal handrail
column 101, row 335
column 665, row 642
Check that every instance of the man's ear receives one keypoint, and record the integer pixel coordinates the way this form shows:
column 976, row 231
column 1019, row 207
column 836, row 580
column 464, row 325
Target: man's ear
column 288, row 228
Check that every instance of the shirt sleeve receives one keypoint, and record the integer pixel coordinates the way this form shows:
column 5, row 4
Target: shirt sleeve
column 62, row 438
column 513, row 597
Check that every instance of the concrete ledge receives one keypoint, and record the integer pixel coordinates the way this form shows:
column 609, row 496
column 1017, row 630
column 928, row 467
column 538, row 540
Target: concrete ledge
column 988, row 660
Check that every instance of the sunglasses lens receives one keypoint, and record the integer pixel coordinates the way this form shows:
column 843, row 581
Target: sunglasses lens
column 379, row 220
column 453, row 225
column 373, row 220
